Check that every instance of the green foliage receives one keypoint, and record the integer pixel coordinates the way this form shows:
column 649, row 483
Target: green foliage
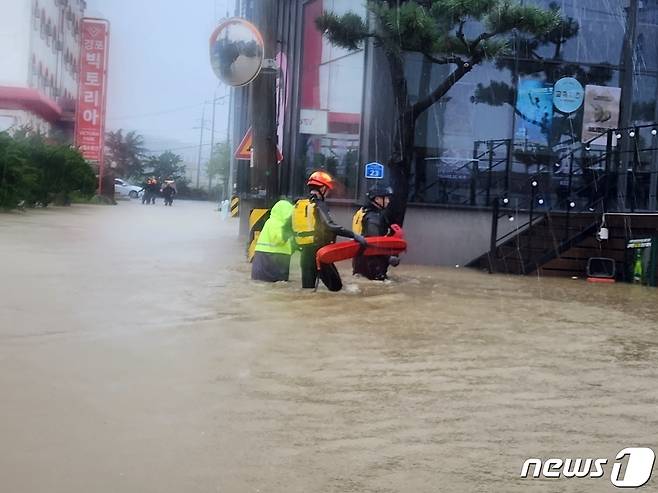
column 33, row 171
column 127, row 152
column 437, row 27
column 347, row 31
column 220, row 163
column 455, row 10
column 565, row 29
column 166, row 166
column 508, row 15
column 17, row 178
column 408, row 27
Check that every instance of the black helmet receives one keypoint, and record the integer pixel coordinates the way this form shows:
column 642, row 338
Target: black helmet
column 379, row 191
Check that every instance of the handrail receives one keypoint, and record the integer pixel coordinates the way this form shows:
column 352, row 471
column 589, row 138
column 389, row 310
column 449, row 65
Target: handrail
column 604, row 160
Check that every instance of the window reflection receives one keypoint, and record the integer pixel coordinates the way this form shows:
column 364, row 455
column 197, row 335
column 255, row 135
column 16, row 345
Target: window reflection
column 331, row 102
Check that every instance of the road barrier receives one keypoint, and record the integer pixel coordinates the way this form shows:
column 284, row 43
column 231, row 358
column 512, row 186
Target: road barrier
column 257, row 218
column 235, row 206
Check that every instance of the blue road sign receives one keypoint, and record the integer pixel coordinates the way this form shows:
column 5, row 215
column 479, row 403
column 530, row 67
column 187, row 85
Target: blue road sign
column 375, row 171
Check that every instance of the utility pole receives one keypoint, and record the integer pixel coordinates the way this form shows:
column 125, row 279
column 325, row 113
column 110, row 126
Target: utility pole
column 212, row 137
column 212, row 131
column 263, row 109
column 203, row 126
column 228, row 187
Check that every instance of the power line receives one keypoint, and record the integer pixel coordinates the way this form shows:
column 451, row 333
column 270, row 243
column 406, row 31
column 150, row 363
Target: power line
column 163, row 112
column 191, row 146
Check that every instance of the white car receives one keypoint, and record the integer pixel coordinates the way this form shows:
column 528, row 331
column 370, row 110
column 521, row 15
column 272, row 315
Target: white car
column 125, row 189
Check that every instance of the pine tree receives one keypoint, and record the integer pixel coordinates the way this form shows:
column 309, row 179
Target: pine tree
column 437, row 29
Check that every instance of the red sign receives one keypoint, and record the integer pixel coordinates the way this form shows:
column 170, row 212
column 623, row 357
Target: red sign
column 244, row 149
column 92, row 89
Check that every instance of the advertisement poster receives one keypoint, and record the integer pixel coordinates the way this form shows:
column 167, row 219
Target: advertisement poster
column 601, row 113
column 534, row 111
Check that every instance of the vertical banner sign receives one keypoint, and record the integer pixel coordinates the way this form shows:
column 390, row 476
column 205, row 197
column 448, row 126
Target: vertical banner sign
column 92, row 91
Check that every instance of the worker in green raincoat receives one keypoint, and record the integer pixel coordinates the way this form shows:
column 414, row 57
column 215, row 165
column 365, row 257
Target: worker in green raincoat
column 274, row 248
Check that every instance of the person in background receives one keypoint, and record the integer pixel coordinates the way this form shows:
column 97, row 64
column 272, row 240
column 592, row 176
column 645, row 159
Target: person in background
column 372, row 220
column 168, row 191
column 314, row 228
column 153, row 189
column 146, row 188
column 274, row 247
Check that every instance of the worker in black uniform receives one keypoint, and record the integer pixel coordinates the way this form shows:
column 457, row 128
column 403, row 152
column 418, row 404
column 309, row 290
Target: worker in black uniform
column 373, row 220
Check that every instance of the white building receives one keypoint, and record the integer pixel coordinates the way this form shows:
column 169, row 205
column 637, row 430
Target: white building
column 39, row 49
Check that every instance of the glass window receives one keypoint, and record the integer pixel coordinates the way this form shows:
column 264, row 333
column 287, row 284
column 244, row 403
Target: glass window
column 451, row 134
column 645, row 92
column 646, row 50
column 330, row 104
column 599, row 37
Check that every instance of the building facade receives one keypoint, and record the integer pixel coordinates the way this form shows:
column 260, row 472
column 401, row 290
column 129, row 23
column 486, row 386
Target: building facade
column 39, row 47
column 508, row 128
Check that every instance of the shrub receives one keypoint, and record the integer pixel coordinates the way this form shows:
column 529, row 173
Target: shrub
column 39, row 173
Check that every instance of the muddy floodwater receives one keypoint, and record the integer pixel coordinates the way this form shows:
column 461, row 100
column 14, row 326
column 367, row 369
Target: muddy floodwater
column 137, row 356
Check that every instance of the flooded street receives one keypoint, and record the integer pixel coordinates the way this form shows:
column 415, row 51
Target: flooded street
column 137, row 356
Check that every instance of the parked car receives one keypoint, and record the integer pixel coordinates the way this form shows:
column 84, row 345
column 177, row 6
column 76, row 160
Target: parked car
column 125, row 189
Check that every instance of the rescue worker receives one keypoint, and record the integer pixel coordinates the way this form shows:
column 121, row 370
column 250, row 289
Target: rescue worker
column 314, row 228
column 271, row 261
column 372, row 220
column 153, row 189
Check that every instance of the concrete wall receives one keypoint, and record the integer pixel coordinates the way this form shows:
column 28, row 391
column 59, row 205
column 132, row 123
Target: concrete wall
column 14, row 42
column 441, row 236
column 24, row 47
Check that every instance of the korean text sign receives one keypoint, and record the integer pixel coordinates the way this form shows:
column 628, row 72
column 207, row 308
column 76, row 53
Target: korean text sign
column 92, row 89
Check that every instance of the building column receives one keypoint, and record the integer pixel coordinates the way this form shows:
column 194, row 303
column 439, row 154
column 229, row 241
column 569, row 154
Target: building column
column 625, row 147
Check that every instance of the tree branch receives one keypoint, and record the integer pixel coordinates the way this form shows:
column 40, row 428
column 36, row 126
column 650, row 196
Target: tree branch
column 443, row 60
column 442, row 89
column 460, row 35
column 482, row 37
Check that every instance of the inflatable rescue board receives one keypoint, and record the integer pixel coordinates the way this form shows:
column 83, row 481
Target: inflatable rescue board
column 377, row 245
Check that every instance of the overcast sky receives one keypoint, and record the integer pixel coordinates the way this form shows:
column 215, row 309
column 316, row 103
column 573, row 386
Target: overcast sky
column 159, row 74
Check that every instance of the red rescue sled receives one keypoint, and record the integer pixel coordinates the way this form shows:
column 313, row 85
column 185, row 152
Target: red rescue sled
column 377, row 245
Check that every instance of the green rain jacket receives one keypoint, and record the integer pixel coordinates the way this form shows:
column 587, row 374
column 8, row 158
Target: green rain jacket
column 276, row 236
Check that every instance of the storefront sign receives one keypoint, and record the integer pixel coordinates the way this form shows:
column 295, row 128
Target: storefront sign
column 313, row 122
column 568, row 95
column 90, row 112
column 454, row 168
column 601, row 113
